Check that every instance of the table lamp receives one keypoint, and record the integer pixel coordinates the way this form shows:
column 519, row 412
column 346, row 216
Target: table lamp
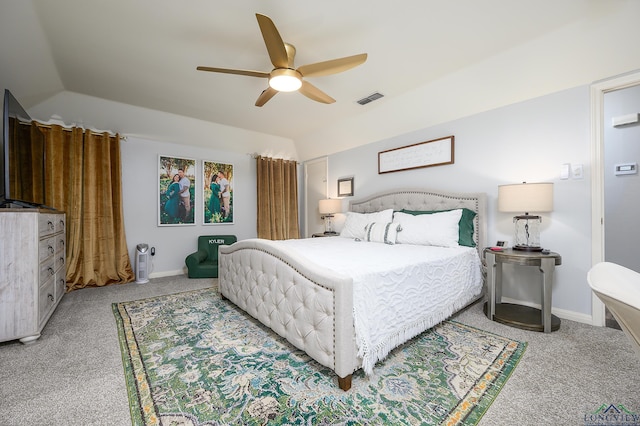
column 327, row 208
column 527, row 198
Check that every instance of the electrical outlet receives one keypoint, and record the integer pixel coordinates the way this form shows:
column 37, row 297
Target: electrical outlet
column 153, row 251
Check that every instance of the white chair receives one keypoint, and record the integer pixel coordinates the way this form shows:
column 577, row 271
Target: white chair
column 619, row 288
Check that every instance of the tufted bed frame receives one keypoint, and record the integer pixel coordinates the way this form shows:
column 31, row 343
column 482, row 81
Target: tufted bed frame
column 309, row 305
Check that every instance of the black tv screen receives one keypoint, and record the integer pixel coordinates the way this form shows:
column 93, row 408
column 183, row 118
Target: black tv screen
column 23, row 158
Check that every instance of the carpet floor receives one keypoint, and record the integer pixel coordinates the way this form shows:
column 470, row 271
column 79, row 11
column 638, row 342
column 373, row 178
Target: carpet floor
column 73, row 375
column 192, row 358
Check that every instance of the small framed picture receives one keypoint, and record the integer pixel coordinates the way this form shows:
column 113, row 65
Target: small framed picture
column 345, row 187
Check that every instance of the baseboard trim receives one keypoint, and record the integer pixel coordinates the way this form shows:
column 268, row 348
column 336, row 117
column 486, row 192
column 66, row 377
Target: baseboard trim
column 167, row 273
column 560, row 313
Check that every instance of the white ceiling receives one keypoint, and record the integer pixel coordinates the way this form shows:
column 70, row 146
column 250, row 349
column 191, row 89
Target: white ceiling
column 145, row 53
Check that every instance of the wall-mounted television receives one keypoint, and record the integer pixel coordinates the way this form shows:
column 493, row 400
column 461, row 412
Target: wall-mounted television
column 22, row 169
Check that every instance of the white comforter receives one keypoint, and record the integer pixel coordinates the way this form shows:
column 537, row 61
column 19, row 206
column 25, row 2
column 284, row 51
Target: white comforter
column 399, row 290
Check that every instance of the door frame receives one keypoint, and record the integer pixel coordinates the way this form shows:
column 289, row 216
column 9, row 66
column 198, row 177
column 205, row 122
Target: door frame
column 598, row 90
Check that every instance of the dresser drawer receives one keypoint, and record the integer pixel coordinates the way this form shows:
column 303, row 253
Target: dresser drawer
column 58, row 261
column 60, row 244
column 58, row 223
column 46, row 300
column 47, row 224
column 47, row 270
column 60, row 284
column 46, row 248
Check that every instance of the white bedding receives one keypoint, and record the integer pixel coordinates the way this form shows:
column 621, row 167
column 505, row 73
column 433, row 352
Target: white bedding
column 399, row 290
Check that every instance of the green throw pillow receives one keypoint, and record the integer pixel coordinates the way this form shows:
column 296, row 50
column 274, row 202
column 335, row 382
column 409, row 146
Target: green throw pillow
column 465, row 226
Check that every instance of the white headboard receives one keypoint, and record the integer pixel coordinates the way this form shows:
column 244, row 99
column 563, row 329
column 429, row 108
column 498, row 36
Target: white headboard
column 425, row 199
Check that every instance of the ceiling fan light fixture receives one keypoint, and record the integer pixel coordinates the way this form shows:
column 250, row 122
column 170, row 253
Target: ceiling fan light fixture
column 285, row 80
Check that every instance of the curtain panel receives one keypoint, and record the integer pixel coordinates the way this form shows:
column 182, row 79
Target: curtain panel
column 277, row 199
column 84, row 179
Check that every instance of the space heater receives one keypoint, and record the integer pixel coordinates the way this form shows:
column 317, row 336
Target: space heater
column 142, row 263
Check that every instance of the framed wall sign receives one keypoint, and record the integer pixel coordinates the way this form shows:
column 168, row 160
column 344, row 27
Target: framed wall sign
column 345, row 187
column 436, row 152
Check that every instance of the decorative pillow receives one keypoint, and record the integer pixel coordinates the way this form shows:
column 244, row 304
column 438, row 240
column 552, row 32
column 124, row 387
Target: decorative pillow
column 465, row 226
column 379, row 232
column 436, row 229
column 355, row 222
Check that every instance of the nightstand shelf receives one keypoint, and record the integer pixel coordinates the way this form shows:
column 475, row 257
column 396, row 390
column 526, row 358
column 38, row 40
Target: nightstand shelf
column 520, row 316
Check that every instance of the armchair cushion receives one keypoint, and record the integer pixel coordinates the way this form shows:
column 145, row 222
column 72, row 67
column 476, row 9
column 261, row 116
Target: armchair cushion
column 204, row 262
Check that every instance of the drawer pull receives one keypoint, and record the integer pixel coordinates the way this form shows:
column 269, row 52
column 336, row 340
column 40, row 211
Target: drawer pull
column 51, row 249
column 50, row 225
column 51, row 271
column 50, row 297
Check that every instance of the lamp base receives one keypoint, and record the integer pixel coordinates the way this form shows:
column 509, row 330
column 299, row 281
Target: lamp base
column 527, row 248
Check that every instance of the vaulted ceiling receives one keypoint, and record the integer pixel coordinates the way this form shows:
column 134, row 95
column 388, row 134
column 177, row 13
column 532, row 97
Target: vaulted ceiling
column 145, row 53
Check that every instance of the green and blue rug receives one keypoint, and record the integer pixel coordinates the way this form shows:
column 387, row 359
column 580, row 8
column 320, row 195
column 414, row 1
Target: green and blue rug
column 194, row 359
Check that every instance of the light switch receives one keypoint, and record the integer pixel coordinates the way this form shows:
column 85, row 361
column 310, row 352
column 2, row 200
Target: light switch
column 576, row 171
column 564, row 171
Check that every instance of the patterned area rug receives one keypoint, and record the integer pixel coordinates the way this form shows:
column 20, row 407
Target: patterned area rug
column 194, row 359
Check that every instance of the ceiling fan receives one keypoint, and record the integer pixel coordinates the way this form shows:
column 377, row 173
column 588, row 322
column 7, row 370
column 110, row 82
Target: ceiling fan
column 284, row 77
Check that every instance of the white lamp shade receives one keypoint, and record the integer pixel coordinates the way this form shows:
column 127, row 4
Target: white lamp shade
column 330, row 206
column 525, row 197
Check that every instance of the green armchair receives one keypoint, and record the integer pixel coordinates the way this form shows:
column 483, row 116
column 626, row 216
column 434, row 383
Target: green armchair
column 204, row 262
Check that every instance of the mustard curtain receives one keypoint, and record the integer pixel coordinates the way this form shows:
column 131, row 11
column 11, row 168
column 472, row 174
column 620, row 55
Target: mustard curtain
column 277, row 199
column 83, row 179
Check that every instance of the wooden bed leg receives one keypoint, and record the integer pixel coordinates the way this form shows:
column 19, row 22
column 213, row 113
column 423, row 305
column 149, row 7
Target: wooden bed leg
column 345, row 382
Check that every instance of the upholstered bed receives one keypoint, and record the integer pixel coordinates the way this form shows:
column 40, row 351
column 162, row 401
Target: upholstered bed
column 298, row 290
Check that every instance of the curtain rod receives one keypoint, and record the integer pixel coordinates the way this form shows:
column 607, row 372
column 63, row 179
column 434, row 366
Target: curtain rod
column 92, row 131
column 255, row 156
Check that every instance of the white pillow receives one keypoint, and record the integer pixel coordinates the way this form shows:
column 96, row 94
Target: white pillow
column 436, row 229
column 355, row 222
column 379, row 232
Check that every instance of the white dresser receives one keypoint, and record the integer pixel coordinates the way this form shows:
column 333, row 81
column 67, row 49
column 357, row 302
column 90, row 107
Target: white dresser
column 33, row 272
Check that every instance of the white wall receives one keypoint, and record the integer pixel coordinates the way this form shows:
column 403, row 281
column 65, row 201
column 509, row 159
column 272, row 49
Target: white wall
column 140, row 200
column 151, row 133
column 527, row 141
column 587, row 50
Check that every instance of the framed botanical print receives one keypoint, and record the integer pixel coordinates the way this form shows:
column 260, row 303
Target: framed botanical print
column 176, row 191
column 217, row 193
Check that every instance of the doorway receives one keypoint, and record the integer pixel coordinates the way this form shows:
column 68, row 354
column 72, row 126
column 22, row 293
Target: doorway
column 315, row 189
column 621, row 180
column 603, row 248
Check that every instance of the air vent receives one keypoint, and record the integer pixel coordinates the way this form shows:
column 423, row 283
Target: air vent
column 370, row 98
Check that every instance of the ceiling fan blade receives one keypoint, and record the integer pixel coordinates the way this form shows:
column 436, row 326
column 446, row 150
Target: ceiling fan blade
column 312, row 92
column 239, row 72
column 333, row 66
column 273, row 41
column 264, row 97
